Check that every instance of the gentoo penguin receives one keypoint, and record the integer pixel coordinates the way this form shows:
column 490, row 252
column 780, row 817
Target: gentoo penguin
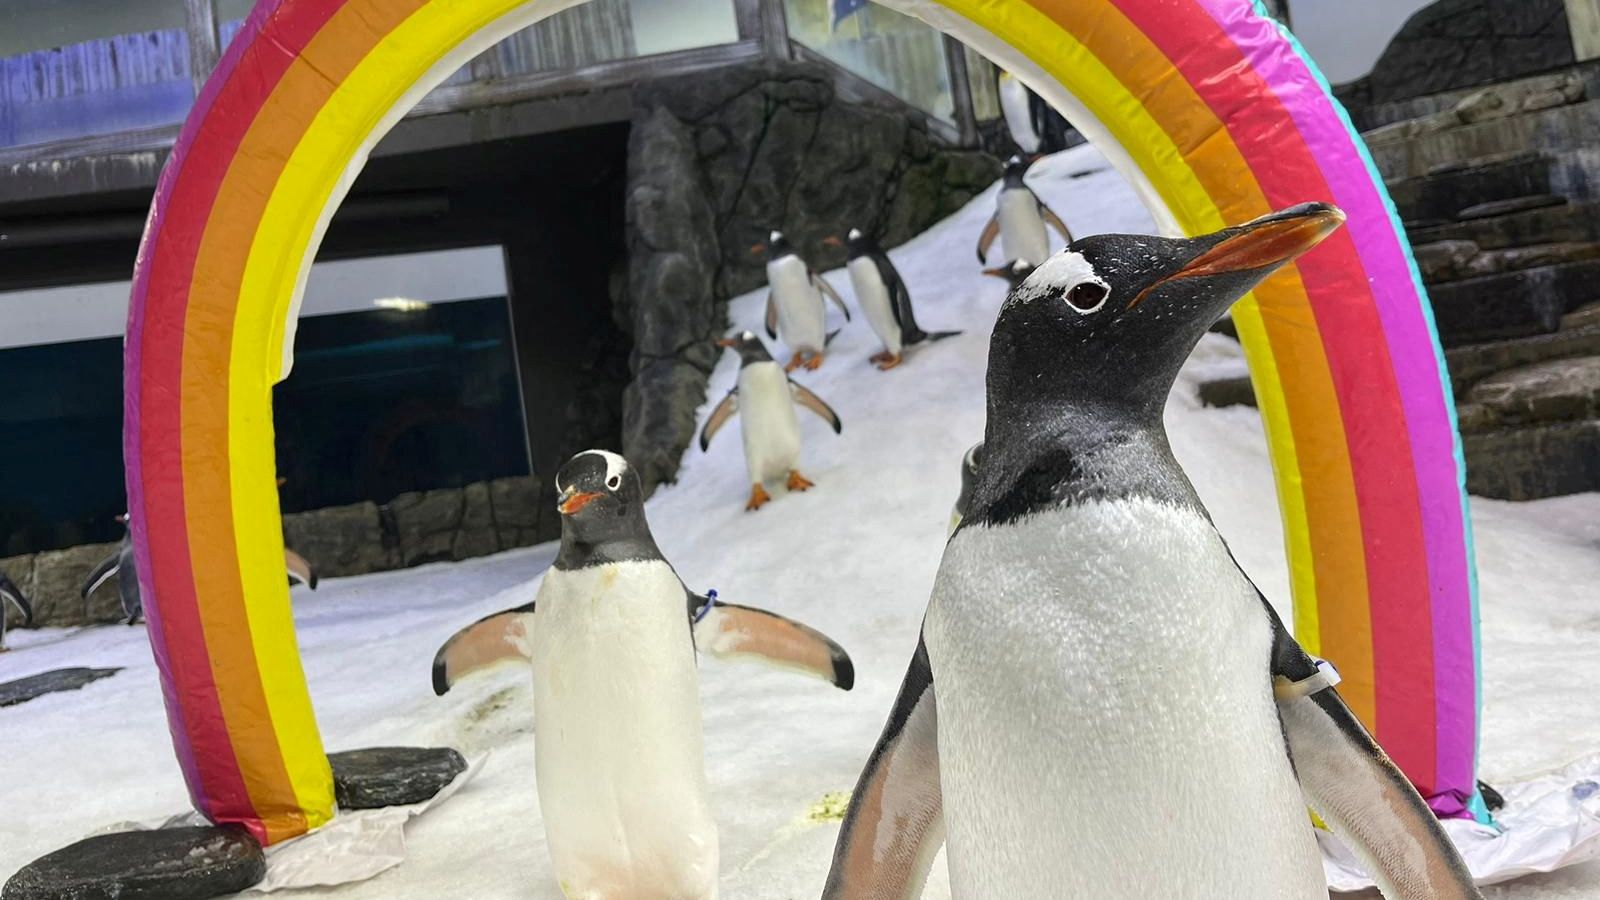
column 618, row 748
column 884, row 298
column 1101, row 703
column 1034, row 125
column 766, row 396
column 1019, row 219
column 1012, row 273
column 969, row 476
column 121, row 565
column 795, row 314
column 10, row 594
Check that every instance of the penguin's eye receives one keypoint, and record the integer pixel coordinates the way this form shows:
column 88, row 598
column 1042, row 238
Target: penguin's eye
column 1087, row 296
column 614, row 482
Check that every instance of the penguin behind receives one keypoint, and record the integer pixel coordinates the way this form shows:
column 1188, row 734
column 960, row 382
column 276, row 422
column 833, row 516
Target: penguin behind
column 1101, row 703
column 884, row 299
column 618, row 744
column 1020, row 218
column 10, row 594
column 795, row 312
column 1012, row 273
column 969, row 476
column 765, row 397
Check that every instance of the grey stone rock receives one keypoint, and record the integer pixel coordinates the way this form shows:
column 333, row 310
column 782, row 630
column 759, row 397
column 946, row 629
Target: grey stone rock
column 1472, row 418
column 1486, row 104
column 1442, row 193
column 479, row 534
column 1222, row 392
column 163, row 864
column 1463, row 43
column 1568, row 222
column 1512, row 304
column 1444, row 260
column 1583, row 319
column 1559, row 390
column 652, row 431
column 1511, row 205
column 518, row 513
column 58, row 576
column 427, row 524
column 392, row 776
column 1533, row 463
column 1470, row 363
column 341, row 540
column 1512, row 259
column 54, row 681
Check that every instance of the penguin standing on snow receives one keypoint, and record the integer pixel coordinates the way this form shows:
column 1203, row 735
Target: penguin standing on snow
column 10, row 594
column 766, row 396
column 1019, row 219
column 1097, row 682
column 884, row 299
column 795, row 314
column 618, row 749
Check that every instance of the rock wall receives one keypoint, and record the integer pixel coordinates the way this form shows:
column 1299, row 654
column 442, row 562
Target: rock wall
column 716, row 162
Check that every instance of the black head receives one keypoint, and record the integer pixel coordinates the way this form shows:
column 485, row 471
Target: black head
column 857, row 242
column 602, row 511
column 750, row 348
column 1105, row 324
column 1013, row 273
column 1016, row 167
column 776, row 247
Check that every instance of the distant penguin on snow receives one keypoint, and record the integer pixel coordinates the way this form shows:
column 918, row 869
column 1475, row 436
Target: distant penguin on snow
column 1012, row 273
column 1019, row 219
column 618, row 746
column 765, row 396
column 1101, row 703
column 795, row 312
column 884, row 299
column 10, row 594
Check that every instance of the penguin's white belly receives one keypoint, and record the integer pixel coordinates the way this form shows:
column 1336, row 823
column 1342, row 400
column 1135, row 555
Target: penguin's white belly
column 767, row 422
column 1106, row 721
column 617, row 735
column 875, row 302
column 1022, row 231
column 800, row 315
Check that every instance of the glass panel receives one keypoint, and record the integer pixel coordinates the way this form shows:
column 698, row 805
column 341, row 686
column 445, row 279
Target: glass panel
column 72, row 68
column 604, row 30
column 893, row 51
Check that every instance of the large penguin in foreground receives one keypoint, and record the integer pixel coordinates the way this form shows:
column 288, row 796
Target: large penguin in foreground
column 617, row 739
column 884, row 299
column 766, row 398
column 10, row 594
column 795, row 313
column 1101, row 703
column 1020, row 218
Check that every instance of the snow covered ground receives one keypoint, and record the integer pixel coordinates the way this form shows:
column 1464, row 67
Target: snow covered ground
column 854, row 557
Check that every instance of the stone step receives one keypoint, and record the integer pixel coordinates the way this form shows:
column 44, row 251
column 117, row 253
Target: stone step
column 1220, row 392
column 1561, row 128
column 1512, row 304
column 1533, row 463
column 1447, row 261
column 1572, row 222
column 1444, row 193
column 1471, row 363
column 1557, row 390
column 1377, row 115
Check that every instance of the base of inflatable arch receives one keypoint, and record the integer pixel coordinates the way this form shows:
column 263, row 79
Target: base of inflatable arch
column 1548, row 822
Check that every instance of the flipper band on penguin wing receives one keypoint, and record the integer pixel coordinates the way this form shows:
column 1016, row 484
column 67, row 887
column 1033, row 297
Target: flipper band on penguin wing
column 491, row 639
column 814, row 403
column 727, row 631
column 895, row 825
column 986, row 239
column 726, row 409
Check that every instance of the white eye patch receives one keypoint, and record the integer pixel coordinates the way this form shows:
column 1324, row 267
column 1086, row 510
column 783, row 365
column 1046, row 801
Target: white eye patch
column 1070, row 274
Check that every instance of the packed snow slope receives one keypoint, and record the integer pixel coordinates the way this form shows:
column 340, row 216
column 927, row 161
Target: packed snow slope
column 855, row 557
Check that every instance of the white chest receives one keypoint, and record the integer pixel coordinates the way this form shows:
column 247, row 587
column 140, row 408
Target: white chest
column 617, row 734
column 1021, row 227
column 1106, row 724
column 875, row 301
column 767, row 422
column 800, row 314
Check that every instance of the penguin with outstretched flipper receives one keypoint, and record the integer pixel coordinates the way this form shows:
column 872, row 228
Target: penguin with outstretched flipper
column 884, row 299
column 1020, row 219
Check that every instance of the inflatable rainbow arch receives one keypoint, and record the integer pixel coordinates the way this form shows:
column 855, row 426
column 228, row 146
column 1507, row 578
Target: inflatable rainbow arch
column 1214, row 113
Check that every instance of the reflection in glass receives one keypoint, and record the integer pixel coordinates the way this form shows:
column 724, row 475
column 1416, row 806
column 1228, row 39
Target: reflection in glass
column 74, row 68
column 893, row 51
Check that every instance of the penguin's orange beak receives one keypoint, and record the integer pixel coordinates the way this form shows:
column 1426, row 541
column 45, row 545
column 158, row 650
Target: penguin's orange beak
column 756, row 249
column 1272, row 240
column 573, row 503
column 725, row 342
column 832, row 240
column 998, row 272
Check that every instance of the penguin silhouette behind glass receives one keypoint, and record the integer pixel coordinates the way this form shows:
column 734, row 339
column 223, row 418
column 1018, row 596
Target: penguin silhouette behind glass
column 618, row 746
column 9, row 593
column 765, row 398
column 1102, row 704
column 884, row 299
column 795, row 311
column 1020, row 218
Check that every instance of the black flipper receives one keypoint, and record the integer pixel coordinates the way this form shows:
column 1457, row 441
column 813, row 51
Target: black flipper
column 489, row 640
column 772, row 317
column 727, row 631
column 895, row 824
column 815, row 404
column 828, row 291
column 98, row 575
column 1051, row 219
column 1352, row 784
column 726, row 409
column 986, row 239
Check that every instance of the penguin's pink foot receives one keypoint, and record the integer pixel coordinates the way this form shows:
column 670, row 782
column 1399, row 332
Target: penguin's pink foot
column 878, row 357
column 758, row 498
column 889, row 361
column 798, row 482
column 814, row 363
column 794, row 363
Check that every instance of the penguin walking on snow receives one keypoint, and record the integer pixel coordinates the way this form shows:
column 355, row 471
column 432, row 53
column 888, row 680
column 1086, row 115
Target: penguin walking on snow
column 766, row 396
column 795, row 313
column 612, row 634
column 1097, row 682
column 10, row 594
column 1019, row 219
column 884, row 299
